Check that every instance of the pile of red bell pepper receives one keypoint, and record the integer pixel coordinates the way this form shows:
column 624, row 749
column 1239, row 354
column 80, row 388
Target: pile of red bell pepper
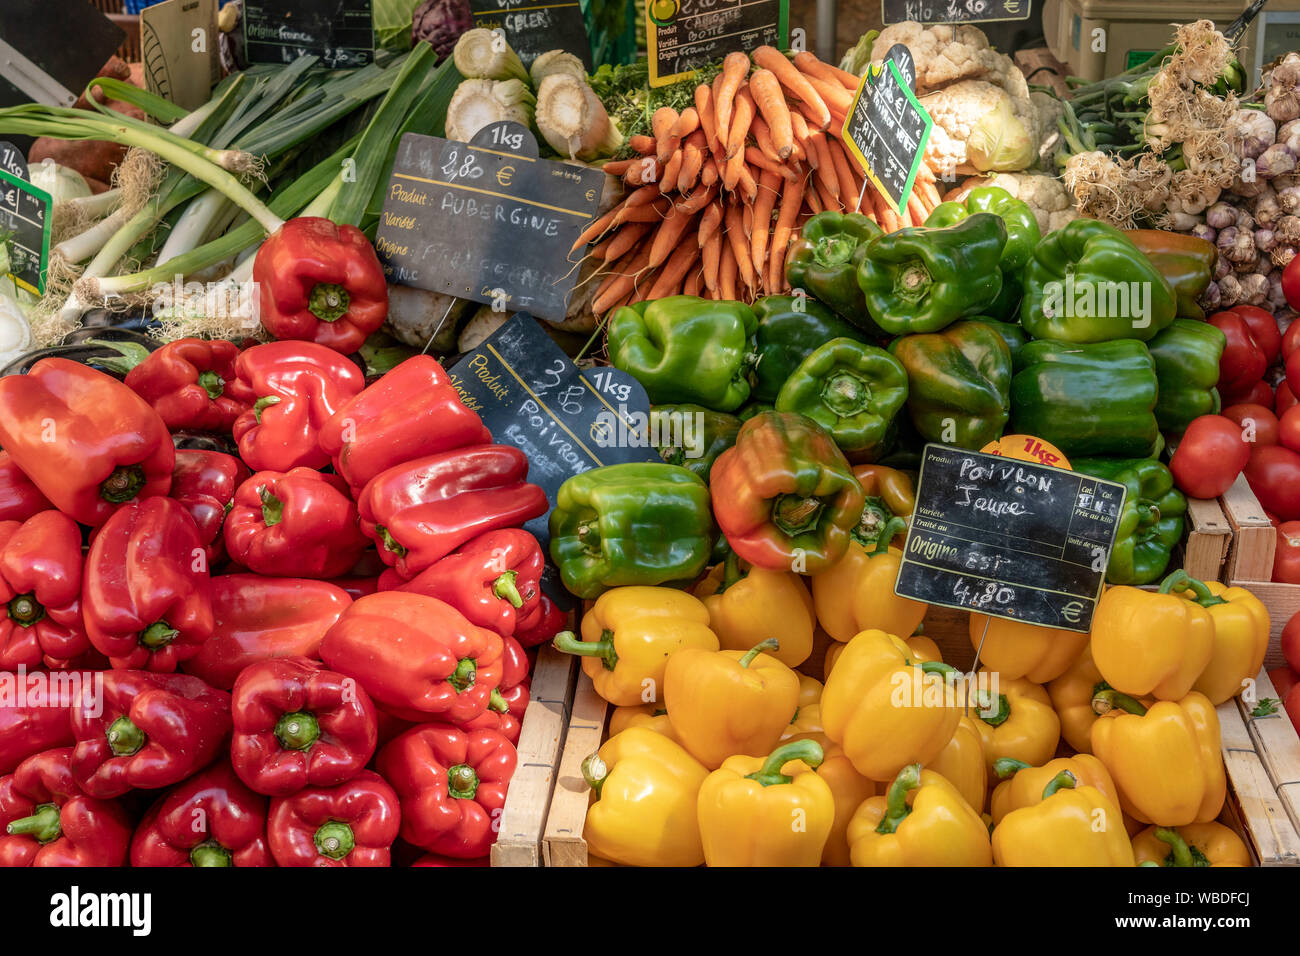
column 311, row 652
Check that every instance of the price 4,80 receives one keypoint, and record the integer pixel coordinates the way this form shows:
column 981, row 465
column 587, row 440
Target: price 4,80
column 988, row 594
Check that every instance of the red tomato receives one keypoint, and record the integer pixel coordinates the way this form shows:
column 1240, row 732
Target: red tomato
column 1291, row 284
column 1258, row 424
column 1283, row 678
column 1209, row 457
column 1243, row 363
column 1291, row 642
column 1286, row 560
column 1284, row 398
column 1292, row 699
column 1263, row 329
column 1293, row 372
column 1274, row 476
column 1288, row 433
column 1261, row 393
column 1291, row 340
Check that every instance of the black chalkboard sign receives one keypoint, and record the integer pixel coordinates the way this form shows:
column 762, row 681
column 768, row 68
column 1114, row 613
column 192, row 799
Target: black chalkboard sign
column 684, row 35
column 1009, row 538
column 566, row 421
column 886, row 128
column 25, row 229
column 534, row 27
column 487, row 221
column 340, row 32
column 954, row 11
column 60, row 46
column 12, row 160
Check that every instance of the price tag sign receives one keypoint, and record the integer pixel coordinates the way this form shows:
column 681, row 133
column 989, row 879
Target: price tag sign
column 566, row 421
column 1009, row 538
column 954, row 11
column 534, row 27
column 684, row 35
column 25, row 231
column 487, row 220
column 886, row 128
column 279, row 31
column 12, row 160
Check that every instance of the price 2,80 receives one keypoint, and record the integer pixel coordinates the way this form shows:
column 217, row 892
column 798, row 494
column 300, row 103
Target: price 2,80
column 461, row 167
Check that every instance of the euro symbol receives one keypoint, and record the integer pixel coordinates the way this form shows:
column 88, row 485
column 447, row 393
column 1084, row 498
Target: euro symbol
column 505, row 174
column 1072, row 611
column 591, row 194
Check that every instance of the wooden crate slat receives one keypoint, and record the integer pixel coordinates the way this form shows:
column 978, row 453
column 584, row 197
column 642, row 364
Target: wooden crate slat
column 523, row 818
column 1278, row 747
column 1282, row 602
column 1262, row 812
column 562, row 842
column 1254, row 538
column 1209, row 537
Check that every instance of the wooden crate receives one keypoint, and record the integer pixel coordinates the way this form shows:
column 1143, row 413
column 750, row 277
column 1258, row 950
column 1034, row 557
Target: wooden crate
column 562, row 841
column 1254, row 539
column 519, row 842
column 1209, row 539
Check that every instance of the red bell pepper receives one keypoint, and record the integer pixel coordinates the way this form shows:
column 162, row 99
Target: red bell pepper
column 258, row 619
column 204, row 482
column 421, row 511
column 293, row 388
column 46, row 819
column 88, row 442
column 544, row 623
column 36, row 711
column 412, row 412
column 321, row 282
column 1286, row 560
column 298, row 725
column 357, row 586
column 1210, row 456
column 190, row 383
column 147, row 598
column 211, row 819
column 1243, row 361
column 352, row 824
column 40, row 587
column 299, row 523
column 494, row 579
column 19, row 498
column 452, row 784
column 416, row 656
column 505, row 714
column 1274, row 475
column 149, row 731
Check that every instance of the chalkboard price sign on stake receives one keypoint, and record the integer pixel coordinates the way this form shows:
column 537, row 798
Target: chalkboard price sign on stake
column 340, row 32
column 1009, row 538
column 487, row 220
column 12, row 160
column 25, row 232
column 567, row 421
column 954, row 11
column 886, row 128
column 534, row 27
column 684, row 35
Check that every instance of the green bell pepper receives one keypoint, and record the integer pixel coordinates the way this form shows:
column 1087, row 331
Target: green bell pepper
column 1087, row 400
column 1187, row 366
column 685, row 349
column 824, row 259
column 692, row 436
column 789, row 329
column 851, row 389
column 630, row 524
column 1022, row 237
column 1089, row 283
column 958, row 383
column 923, row 280
column 1151, row 521
column 1011, row 333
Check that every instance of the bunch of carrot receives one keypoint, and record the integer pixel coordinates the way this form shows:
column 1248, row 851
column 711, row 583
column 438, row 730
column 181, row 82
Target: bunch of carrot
column 715, row 196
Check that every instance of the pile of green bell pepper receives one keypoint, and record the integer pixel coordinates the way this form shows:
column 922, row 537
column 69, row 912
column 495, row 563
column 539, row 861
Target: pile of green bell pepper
column 1151, row 521
column 1186, row 356
column 790, row 328
column 713, row 433
column 1022, row 238
column 824, row 262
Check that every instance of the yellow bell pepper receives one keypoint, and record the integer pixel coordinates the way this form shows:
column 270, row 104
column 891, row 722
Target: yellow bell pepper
column 650, row 716
column 646, row 794
column 807, row 725
column 746, row 607
column 1145, row 643
column 1197, row 844
column 725, row 703
column 962, row 763
column 1165, row 761
column 924, row 649
column 922, row 821
column 753, row 814
column 886, row 707
column 1068, row 826
column 1016, row 649
column 848, row 787
column 832, row 655
column 1022, row 785
column 1240, row 640
column 810, row 689
column 857, row 594
column 1072, row 695
column 1020, row 724
column 629, row 635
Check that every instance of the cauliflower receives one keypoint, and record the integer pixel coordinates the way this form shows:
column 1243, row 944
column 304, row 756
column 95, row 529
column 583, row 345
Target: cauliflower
column 942, row 54
column 984, row 125
column 1046, row 196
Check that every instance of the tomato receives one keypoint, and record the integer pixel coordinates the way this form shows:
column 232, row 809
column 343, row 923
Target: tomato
column 1291, row 642
column 1274, row 476
column 1290, row 340
column 1263, row 329
column 1292, row 699
column 1209, row 457
column 1261, row 393
column 1283, row 678
column 1286, row 560
column 1288, row 433
column 1258, row 424
column 1293, row 372
column 1243, row 362
column 1285, row 398
column 1291, row 284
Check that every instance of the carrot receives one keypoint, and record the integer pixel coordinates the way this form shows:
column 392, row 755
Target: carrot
column 687, row 123
column 769, row 186
column 617, row 167
column 748, row 186
column 670, row 278
column 755, row 158
column 693, row 151
column 620, row 282
column 644, row 171
column 734, row 169
column 823, row 151
column 770, row 58
column 836, row 98
column 639, row 198
column 626, row 239
column 693, row 283
column 802, row 135
column 916, row 209
column 673, row 170
column 735, row 236
column 704, row 109
column 727, row 272
column 598, row 227
column 762, row 134
column 843, row 170
column 640, row 143
column 741, row 117
column 824, row 190
column 813, row 198
column 734, row 70
column 698, row 201
column 711, row 255
column 787, row 215
column 654, row 212
column 662, row 123
column 710, row 223
column 668, row 236
column 709, row 174
column 769, row 98
column 808, row 63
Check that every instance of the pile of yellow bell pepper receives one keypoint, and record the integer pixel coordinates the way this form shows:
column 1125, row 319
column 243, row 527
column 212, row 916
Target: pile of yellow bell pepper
column 1065, row 749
